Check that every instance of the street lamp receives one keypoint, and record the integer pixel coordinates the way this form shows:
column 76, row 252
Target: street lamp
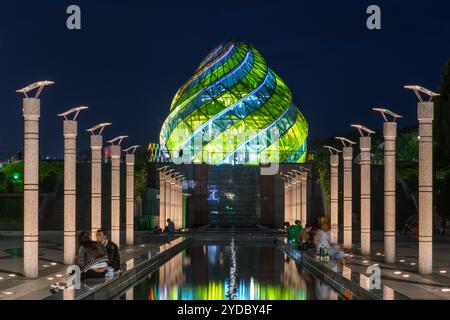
column 365, row 142
column 390, row 136
column 334, row 192
column 347, row 153
column 70, row 182
column 129, row 216
column 425, row 114
column 96, row 176
column 31, row 115
column 115, row 188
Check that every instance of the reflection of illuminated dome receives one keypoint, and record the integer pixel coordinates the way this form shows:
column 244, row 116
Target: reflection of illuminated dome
column 234, row 110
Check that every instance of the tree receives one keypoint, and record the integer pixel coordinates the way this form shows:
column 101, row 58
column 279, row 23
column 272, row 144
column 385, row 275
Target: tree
column 442, row 120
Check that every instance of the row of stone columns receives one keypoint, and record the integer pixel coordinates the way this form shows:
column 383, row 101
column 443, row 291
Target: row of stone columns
column 170, row 197
column 31, row 114
column 295, row 197
column 425, row 221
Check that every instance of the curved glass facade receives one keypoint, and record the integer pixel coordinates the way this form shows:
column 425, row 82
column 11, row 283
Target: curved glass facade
column 234, row 110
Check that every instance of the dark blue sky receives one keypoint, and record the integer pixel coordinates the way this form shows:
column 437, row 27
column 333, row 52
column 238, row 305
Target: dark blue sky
column 131, row 56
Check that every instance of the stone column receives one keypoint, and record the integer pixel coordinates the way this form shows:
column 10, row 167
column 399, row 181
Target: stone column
column 390, row 135
column 162, row 199
column 168, row 199
column 31, row 115
column 298, row 197
column 286, row 206
column 115, row 194
column 334, row 197
column 304, row 178
column 173, row 197
column 365, row 146
column 96, row 184
column 348, row 207
column 70, row 190
column 425, row 117
column 294, row 199
column 129, row 160
column 291, row 200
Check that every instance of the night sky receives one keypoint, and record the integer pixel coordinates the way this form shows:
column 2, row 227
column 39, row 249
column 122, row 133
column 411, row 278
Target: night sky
column 131, row 56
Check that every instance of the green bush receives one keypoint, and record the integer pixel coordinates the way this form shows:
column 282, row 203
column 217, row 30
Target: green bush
column 11, row 210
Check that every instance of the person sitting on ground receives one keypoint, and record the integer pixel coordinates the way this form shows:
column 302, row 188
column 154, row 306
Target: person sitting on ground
column 334, row 250
column 111, row 249
column 304, row 237
column 170, row 226
column 294, row 230
column 92, row 257
column 92, row 261
column 286, row 225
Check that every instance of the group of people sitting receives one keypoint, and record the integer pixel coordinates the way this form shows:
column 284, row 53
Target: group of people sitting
column 314, row 238
column 94, row 257
column 170, row 228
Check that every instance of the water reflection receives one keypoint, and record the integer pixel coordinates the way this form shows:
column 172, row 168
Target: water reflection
column 230, row 272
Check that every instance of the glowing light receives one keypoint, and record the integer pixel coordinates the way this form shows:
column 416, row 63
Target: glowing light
column 397, row 272
column 443, row 271
column 445, row 289
column 406, row 276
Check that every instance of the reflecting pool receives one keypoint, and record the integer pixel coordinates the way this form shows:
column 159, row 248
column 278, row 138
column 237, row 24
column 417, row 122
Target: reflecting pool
column 230, row 272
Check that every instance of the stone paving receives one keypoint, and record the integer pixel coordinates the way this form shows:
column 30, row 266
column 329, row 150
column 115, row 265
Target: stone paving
column 403, row 276
column 14, row 286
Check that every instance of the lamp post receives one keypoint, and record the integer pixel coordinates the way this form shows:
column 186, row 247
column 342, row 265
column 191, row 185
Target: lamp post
column 304, row 194
column 129, row 216
column 365, row 143
column 115, row 188
column 298, row 197
column 162, row 196
column 96, row 176
column 70, row 182
column 334, row 192
column 347, row 154
column 390, row 137
column 168, row 214
column 31, row 115
column 290, row 197
column 425, row 114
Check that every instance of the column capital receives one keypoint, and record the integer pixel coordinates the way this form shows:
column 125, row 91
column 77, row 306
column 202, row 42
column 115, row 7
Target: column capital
column 130, row 159
column 365, row 143
column 96, row 142
column 425, row 111
column 31, row 108
column 334, row 160
column 347, row 153
column 115, row 151
column 70, row 128
column 390, row 130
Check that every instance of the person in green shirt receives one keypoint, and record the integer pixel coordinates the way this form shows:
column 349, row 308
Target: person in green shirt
column 294, row 231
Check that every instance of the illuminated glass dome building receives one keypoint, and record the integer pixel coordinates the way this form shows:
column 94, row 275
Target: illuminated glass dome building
column 234, row 110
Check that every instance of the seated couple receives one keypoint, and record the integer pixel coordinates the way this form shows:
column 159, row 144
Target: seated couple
column 94, row 257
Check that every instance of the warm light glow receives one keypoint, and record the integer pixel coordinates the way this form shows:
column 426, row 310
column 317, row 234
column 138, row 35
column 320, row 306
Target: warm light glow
column 397, row 272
